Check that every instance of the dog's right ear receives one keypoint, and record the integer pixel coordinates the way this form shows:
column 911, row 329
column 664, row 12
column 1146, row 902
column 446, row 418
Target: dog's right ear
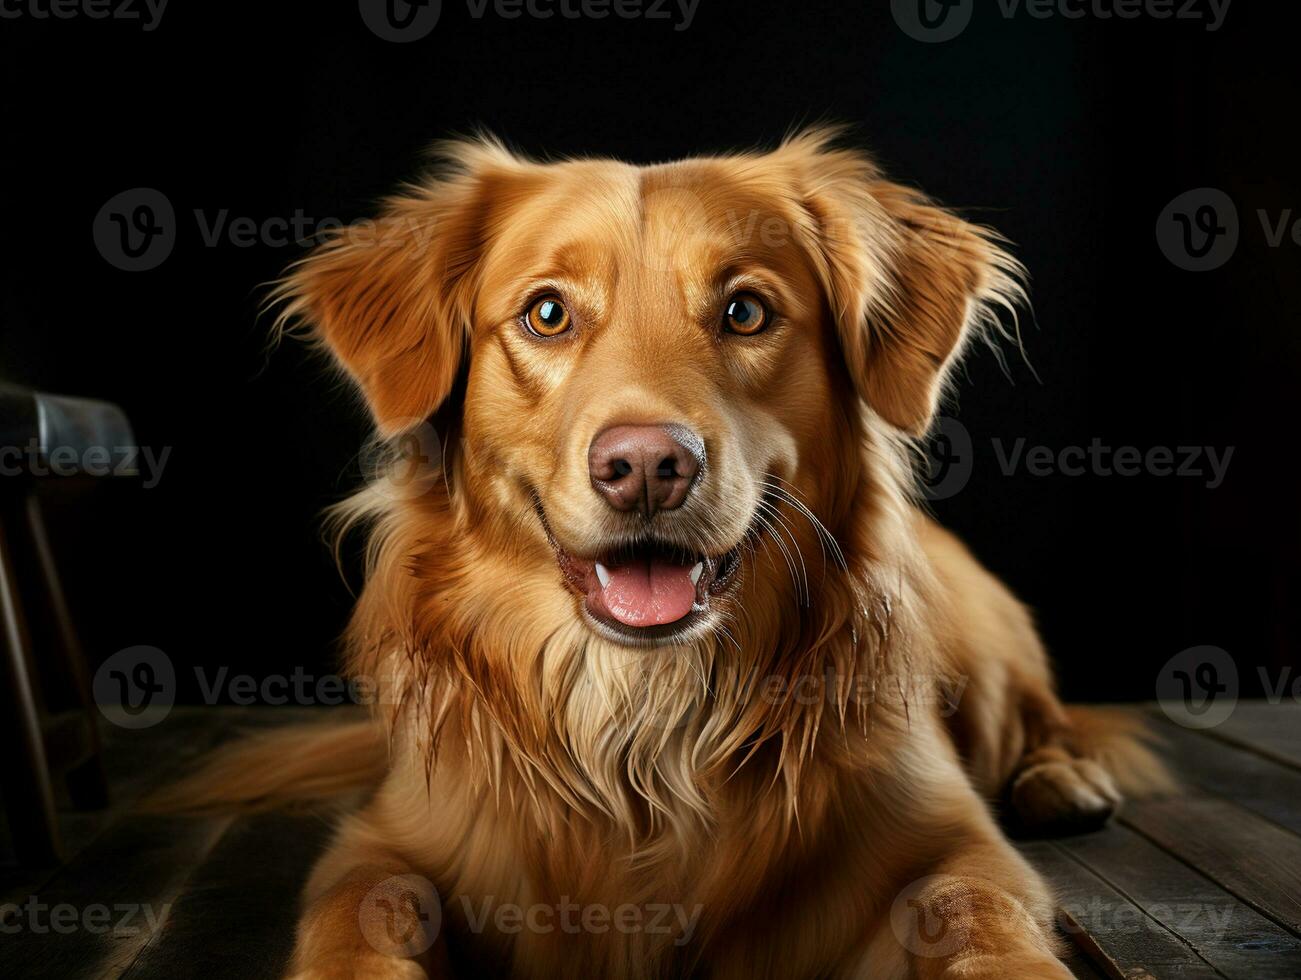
column 391, row 298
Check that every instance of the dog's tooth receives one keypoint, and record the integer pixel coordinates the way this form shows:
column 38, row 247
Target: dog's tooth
column 603, row 575
column 697, row 572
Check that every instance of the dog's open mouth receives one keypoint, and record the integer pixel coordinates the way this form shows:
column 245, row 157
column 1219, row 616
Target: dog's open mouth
column 650, row 590
column 646, row 592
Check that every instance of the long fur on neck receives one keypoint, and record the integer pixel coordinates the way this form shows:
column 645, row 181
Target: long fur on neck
column 647, row 744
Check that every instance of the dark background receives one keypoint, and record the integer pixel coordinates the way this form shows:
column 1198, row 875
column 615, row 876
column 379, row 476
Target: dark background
column 1070, row 136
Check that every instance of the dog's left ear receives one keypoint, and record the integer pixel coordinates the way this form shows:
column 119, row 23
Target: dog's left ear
column 908, row 281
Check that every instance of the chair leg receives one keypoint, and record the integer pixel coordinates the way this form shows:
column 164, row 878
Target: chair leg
column 29, row 793
column 87, row 786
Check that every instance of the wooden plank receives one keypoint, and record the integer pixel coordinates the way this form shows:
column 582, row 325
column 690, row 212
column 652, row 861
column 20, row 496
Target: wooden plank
column 1081, row 968
column 1248, row 856
column 99, row 911
column 138, row 760
column 1225, row 932
column 1272, row 730
column 135, row 761
column 1256, row 782
column 240, row 907
column 1118, row 936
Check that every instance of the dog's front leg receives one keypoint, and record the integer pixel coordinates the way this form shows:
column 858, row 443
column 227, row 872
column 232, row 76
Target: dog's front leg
column 983, row 915
column 375, row 920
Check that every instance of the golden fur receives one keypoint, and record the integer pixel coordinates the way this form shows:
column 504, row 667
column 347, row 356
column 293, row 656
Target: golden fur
column 827, row 743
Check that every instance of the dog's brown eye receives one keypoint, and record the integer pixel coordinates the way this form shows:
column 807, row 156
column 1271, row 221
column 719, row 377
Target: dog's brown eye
column 548, row 317
column 745, row 314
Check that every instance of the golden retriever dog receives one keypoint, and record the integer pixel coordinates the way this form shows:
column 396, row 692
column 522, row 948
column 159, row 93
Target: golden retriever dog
column 675, row 677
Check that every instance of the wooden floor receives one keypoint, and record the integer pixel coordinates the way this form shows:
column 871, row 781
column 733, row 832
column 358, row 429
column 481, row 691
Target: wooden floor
column 1208, row 885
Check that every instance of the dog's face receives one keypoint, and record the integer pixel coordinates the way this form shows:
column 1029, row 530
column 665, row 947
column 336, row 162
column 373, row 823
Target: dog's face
column 663, row 365
column 648, row 373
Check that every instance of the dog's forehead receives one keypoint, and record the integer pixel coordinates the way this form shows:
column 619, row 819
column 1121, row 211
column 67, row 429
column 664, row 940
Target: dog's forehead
column 610, row 219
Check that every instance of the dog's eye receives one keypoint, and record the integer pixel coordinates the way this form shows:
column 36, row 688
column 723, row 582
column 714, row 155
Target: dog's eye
column 745, row 314
column 548, row 317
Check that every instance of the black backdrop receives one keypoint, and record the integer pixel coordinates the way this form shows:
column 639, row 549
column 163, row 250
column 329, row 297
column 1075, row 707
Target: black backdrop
column 1069, row 135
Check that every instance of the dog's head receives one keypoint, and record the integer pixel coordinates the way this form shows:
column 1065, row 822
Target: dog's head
column 659, row 372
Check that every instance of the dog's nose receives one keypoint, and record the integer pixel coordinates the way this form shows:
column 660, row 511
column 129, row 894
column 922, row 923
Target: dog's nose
column 645, row 467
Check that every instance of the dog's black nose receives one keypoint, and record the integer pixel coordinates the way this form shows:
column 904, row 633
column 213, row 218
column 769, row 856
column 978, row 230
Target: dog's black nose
column 645, row 467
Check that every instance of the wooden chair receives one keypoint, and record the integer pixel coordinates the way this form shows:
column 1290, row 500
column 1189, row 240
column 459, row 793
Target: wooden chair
column 51, row 721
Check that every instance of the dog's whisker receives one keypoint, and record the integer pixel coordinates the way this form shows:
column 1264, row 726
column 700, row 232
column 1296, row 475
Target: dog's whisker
column 781, row 544
column 825, row 538
column 805, row 596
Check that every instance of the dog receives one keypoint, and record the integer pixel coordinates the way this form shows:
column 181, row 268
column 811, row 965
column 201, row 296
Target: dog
column 676, row 676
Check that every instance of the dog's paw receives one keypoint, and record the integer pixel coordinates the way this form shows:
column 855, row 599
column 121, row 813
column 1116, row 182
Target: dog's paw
column 1008, row 967
column 1063, row 796
column 364, row 967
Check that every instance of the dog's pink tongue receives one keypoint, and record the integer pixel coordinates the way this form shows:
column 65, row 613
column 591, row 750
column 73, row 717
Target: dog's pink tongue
column 652, row 593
